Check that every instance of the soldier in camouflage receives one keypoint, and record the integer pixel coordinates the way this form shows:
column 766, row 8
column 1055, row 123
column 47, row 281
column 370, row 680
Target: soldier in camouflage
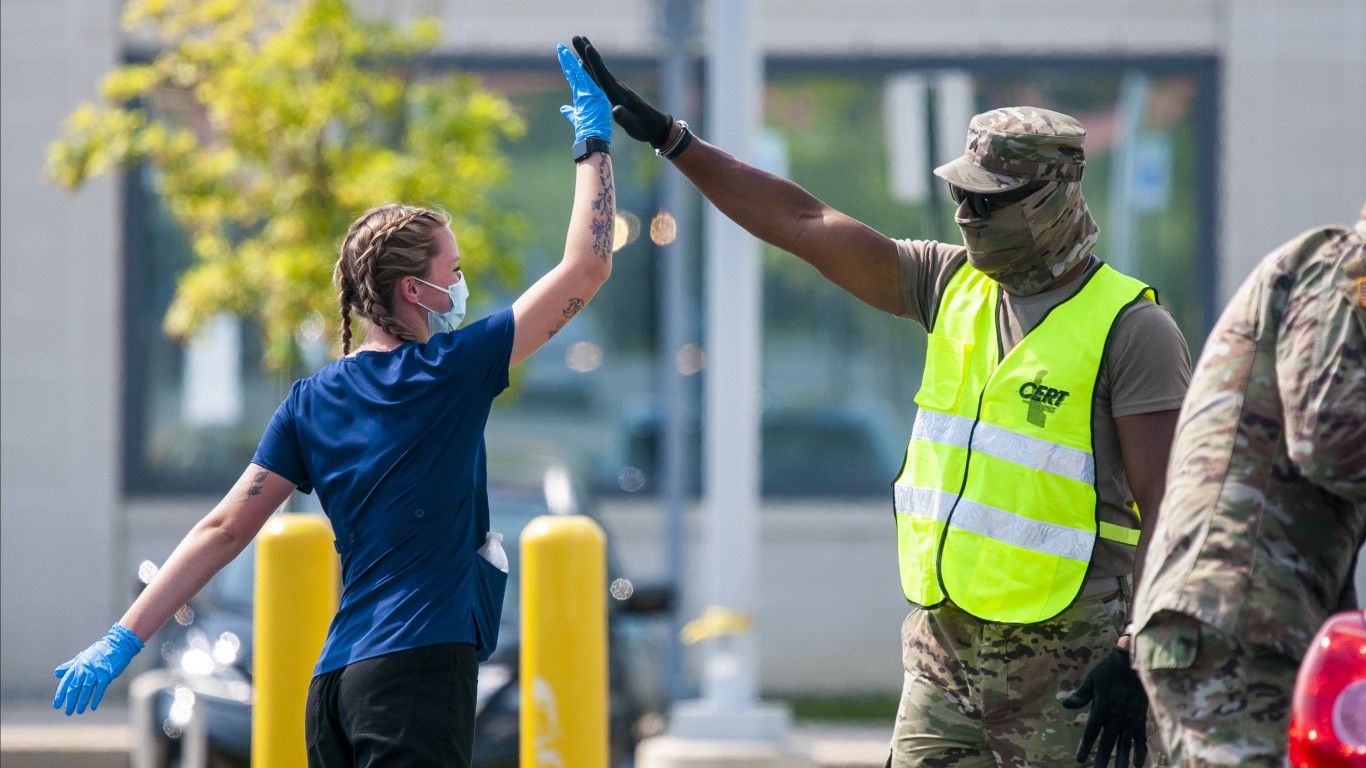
column 1265, row 508
column 982, row 691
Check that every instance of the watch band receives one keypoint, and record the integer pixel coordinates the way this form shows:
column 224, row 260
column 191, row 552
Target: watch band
column 590, row 145
column 680, row 142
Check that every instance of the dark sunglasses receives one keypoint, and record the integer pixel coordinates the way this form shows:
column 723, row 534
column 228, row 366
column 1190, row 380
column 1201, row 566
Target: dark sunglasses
column 980, row 203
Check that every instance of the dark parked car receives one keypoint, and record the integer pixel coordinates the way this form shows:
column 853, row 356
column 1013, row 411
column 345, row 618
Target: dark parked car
column 204, row 672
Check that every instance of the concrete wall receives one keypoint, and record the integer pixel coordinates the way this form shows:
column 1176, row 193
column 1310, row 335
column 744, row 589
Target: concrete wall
column 1293, row 79
column 1294, row 92
column 60, row 513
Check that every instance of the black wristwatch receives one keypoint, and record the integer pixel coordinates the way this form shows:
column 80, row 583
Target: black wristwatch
column 590, row 145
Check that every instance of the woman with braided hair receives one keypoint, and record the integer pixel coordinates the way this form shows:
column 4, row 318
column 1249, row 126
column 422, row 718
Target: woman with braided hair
column 391, row 436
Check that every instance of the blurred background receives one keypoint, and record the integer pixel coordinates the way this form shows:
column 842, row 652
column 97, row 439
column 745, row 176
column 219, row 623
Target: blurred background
column 1217, row 130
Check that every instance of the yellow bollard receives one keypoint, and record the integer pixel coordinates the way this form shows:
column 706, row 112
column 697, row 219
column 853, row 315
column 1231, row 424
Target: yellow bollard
column 564, row 643
column 297, row 585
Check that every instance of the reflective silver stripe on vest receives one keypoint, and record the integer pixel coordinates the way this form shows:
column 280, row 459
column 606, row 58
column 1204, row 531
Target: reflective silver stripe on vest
column 1031, row 452
column 923, row 502
column 998, row 524
column 1022, row 532
column 943, row 428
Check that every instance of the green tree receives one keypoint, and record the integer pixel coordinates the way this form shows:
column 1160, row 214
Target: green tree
column 269, row 127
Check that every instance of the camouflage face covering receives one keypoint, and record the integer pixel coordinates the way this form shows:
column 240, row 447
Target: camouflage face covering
column 1026, row 246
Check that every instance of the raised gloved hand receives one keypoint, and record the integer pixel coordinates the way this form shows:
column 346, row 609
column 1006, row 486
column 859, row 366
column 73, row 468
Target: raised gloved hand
column 84, row 678
column 635, row 115
column 1119, row 714
column 591, row 112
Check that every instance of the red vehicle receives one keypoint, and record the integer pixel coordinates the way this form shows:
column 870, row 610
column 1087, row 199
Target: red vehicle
column 1328, row 711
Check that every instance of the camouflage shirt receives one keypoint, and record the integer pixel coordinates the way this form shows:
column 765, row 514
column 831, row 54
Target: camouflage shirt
column 1265, row 506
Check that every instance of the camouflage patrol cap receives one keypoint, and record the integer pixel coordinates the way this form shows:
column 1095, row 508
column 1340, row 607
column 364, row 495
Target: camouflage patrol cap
column 1011, row 147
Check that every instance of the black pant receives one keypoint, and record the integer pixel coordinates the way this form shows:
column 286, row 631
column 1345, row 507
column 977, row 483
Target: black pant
column 409, row 708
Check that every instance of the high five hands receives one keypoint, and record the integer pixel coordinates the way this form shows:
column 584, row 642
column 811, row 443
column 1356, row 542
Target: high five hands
column 635, row 115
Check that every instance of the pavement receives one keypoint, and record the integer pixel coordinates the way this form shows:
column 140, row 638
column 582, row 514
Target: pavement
column 33, row 735
column 842, row 745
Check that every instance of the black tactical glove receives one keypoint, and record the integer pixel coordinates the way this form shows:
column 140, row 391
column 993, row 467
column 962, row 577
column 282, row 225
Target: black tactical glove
column 635, row 115
column 1119, row 714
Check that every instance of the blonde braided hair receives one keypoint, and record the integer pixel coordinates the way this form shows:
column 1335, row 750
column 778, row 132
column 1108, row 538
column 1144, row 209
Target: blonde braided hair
column 386, row 244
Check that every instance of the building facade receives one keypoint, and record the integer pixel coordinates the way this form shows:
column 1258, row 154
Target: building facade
column 1265, row 93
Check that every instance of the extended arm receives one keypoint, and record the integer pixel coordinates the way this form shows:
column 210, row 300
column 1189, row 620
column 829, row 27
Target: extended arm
column 218, row 538
column 847, row 252
column 563, row 292
column 213, row 543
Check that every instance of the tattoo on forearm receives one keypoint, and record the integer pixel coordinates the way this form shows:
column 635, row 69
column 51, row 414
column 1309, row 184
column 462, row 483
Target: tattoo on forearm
column 602, row 243
column 603, row 226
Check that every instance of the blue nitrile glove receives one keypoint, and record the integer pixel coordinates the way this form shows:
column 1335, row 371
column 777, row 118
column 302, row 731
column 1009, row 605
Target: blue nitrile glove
column 637, row 116
column 591, row 113
column 1119, row 714
column 85, row 677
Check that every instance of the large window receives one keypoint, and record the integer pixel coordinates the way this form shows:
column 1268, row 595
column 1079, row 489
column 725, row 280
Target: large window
column 838, row 376
column 192, row 413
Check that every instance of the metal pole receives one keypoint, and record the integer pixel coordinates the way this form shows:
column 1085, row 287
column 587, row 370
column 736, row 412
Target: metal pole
column 728, row 708
column 734, row 293
column 678, row 29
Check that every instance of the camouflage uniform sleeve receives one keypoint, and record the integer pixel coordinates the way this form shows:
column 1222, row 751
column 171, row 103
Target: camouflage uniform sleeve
column 1321, row 366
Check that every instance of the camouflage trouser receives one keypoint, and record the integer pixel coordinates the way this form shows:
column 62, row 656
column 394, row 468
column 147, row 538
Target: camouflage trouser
column 1215, row 702
column 980, row 694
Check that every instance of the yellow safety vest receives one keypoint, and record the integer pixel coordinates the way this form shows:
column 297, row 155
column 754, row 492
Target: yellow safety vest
column 996, row 505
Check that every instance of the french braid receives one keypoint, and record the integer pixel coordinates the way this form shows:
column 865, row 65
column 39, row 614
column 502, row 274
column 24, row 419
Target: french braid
column 384, row 245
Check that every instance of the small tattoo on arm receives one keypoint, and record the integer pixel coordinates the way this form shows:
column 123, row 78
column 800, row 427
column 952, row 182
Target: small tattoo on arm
column 570, row 309
column 256, row 485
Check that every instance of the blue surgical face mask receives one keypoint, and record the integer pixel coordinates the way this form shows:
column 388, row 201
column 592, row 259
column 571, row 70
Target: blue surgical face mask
column 441, row 322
